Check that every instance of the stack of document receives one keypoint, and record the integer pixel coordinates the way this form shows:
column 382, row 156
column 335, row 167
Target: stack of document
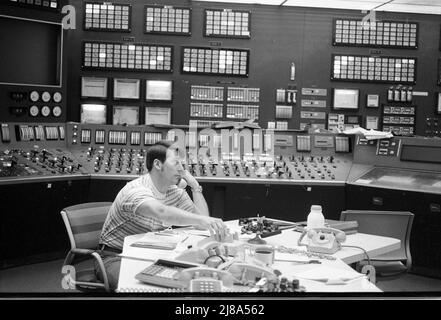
column 369, row 134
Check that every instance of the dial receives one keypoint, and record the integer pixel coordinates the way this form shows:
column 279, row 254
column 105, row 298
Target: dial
column 56, row 111
column 46, row 96
column 34, row 96
column 57, row 97
column 33, row 110
column 45, row 111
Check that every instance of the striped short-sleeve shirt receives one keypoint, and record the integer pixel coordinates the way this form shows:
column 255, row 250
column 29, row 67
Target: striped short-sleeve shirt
column 122, row 221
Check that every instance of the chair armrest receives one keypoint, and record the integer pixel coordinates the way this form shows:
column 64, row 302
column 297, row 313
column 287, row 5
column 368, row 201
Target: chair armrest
column 95, row 255
column 82, row 251
column 77, row 251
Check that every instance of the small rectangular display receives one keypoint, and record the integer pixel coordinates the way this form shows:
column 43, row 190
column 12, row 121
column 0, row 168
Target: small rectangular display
column 341, row 144
column 323, row 142
column 117, row 137
column 152, row 137
column 93, row 87
column 303, row 143
column 373, row 101
column 421, row 153
column 345, row 99
column 157, row 115
column 158, row 90
column 126, row 115
column 135, row 138
column 126, row 89
column 93, row 113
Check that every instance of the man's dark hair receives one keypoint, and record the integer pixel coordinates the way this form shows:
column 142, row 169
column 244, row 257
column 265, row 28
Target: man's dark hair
column 156, row 151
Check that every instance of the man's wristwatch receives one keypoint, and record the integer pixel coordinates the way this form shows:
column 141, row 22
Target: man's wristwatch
column 197, row 189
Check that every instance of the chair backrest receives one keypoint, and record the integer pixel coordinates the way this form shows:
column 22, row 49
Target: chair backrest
column 394, row 224
column 84, row 223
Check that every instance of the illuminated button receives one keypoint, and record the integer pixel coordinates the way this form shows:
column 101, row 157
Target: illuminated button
column 57, row 97
column 34, row 111
column 46, row 96
column 45, row 111
column 56, row 111
column 34, row 96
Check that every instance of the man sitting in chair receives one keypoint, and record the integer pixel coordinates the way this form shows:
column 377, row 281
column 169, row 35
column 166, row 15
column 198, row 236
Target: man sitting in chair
column 154, row 202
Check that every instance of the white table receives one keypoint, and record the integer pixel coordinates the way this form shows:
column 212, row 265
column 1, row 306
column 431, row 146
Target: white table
column 139, row 258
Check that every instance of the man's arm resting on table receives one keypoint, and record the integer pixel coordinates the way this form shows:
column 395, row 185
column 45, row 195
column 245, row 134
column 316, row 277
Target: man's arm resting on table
column 174, row 216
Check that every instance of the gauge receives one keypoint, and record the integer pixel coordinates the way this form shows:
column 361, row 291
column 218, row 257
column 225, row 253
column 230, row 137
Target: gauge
column 46, row 96
column 57, row 97
column 33, row 110
column 34, row 96
column 56, row 111
column 45, row 111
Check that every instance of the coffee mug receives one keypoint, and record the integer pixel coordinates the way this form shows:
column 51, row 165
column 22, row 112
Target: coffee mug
column 264, row 254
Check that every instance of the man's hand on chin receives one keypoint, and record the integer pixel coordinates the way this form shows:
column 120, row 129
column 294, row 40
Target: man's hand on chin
column 191, row 181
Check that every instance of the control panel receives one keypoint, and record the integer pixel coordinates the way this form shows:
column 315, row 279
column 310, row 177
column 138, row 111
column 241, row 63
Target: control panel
column 29, row 150
column 113, row 150
column 404, row 163
column 119, row 150
column 43, row 150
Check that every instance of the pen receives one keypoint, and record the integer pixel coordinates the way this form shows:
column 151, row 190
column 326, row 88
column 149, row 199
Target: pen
column 184, row 239
column 164, row 234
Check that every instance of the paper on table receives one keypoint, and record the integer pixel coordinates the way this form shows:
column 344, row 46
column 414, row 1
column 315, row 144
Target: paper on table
column 329, row 274
column 147, row 254
column 369, row 134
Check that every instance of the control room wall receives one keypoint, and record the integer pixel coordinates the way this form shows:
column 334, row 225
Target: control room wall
column 279, row 36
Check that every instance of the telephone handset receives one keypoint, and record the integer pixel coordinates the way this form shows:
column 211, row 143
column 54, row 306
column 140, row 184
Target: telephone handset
column 323, row 240
column 204, row 279
column 182, row 184
column 245, row 273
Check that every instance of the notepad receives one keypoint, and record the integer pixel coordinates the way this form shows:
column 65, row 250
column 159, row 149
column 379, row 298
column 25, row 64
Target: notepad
column 157, row 240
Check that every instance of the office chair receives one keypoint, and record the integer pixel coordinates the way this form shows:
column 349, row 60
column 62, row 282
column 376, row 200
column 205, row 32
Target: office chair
column 394, row 224
column 83, row 224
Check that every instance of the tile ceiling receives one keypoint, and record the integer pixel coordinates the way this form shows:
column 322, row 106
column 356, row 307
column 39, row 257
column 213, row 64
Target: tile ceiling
column 408, row 6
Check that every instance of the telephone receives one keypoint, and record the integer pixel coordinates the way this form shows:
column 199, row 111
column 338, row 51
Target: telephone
column 164, row 273
column 245, row 273
column 323, row 240
column 209, row 252
column 182, row 184
column 204, row 279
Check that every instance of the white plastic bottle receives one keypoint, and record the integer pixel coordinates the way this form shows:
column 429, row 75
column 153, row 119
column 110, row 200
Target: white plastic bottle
column 315, row 218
